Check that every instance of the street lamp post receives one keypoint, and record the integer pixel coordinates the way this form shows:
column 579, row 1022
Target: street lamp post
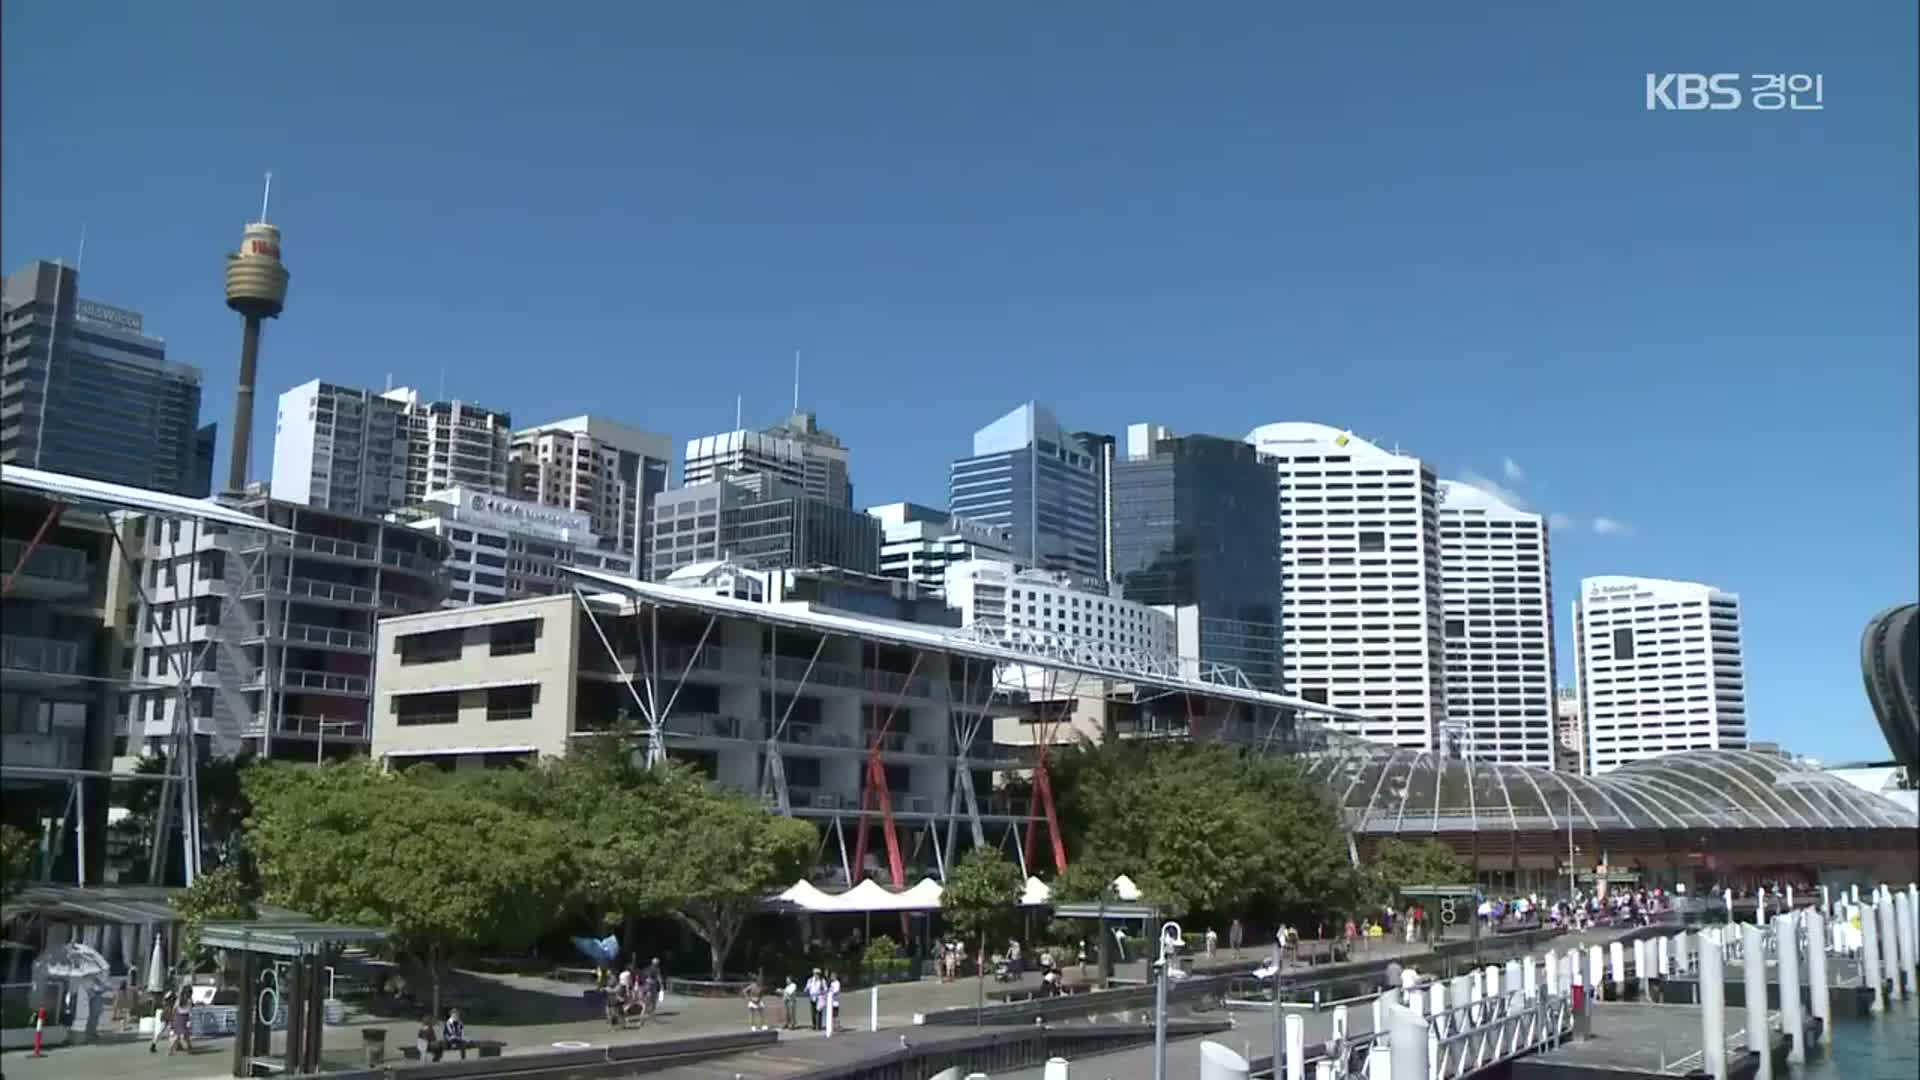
column 1170, row 939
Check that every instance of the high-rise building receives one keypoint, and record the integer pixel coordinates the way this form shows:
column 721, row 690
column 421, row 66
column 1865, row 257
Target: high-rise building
column 1196, row 524
column 1660, row 669
column 276, row 630
column 918, row 542
column 606, row 470
column 1360, row 599
column 1497, row 611
column 85, row 391
column 759, row 522
column 341, row 449
column 1569, row 733
column 508, row 549
column 1042, row 485
column 798, row 451
column 454, row 444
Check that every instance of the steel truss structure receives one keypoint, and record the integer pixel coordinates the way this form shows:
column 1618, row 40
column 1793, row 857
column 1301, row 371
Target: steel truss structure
column 179, row 791
column 970, row 676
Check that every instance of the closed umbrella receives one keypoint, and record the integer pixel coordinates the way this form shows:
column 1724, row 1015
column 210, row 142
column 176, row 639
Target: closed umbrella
column 157, row 967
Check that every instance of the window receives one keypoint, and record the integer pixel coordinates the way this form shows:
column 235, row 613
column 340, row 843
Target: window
column 512, row 702
column 417, row 709
column 1315, row 694
column 1373, row 541
column 514, row 638
column 1456, row 628
column 433, row 647
column 1623, row 643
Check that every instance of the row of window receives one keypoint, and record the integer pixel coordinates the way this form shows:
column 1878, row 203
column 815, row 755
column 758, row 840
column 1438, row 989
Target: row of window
column 440, row 646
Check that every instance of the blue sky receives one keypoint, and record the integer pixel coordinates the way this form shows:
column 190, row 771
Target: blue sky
column 1452, row 227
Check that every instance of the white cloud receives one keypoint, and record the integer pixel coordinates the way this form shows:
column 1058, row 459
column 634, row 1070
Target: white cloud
column 1606, row 526
column 1562, row 523
column 1515, row 474
column 1498, row 490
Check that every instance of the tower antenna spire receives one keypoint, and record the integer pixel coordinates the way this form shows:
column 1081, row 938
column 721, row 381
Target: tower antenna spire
column 736, row 411
column 264, row 196
column 80, row 260
column 796, row 380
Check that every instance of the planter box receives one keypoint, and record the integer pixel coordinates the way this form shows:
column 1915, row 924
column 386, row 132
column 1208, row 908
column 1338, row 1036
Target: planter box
column 22, row 1038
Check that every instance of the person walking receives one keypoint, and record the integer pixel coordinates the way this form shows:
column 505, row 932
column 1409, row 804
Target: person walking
column 1213, row 943
column 816, row 999
column 1236, row 936
column 182, row 1022
column 162, row 1021
column 756, row 1005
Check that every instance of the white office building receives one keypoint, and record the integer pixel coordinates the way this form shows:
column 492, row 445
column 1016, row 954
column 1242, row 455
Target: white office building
column 453, row 443
column 798, row 451
column 606, row 470
column 1044, row 609
column 918, row 542
column 1660, row 669
column 1360, row 596
column 1497, row 619
column 1569, row 733
column 509, row 549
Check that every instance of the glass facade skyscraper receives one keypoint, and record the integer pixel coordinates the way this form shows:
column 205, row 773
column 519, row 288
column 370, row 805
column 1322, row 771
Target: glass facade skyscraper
column 1042, row 485
column 1195, row 524
column 85, row 391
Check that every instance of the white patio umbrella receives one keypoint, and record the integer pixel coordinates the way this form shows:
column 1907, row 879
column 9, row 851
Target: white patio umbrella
column 156, row 966
column 74, row 961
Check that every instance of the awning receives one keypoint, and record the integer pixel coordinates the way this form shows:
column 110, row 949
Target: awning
column 90, row 494
column 144, row 905
column 284, row 937
column 1037, row 893
column 865, row 897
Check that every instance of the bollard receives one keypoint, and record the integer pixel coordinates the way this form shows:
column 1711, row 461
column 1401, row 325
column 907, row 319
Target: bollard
column 1056, row 1068
column 1513, row 984
column 1662, row 957
column 1870, row 959
column 1296, row 1047
column 1817, row 990
column 1582, row 1008
column 1755, row 969
column 1789, row 906
column 1493, row 981
column 1682, row 948
column 1854, row 893
column 1889, row 949
column 832, row 1007
column 1379, row 1012
column 1728, row 896
column 1528, row 986
column 1340, row 1023
column 1760, row 907
column 1786, row 930
column 1406, row 1044
column 1572, row 974
column 1379, row 1065
column 40, row 1022
column 1826, row 904
column 1593, row 970
column 1641, row 969
column 1436, row 998
column 1617, row 967
column 1713, row 1006
column 873, row 1010
column 1323, row 1070
column 1552, row 960
column 1913, row 916
column 1903, row 938
column 1216, row 1063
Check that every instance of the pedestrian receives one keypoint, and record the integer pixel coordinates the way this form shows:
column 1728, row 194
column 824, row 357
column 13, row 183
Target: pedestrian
column 423, row 1040
column 162, row 1021
column 756, row 1005
column 816, row 999
column 182, row 1022
column 1213, row 943
column 789, row 1001
column 833, row 999
column 453, row 1035
column 1236, row 936
column 1083, row 958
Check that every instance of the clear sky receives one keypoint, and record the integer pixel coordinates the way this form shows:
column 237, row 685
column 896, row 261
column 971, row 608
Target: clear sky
column 1452, row 227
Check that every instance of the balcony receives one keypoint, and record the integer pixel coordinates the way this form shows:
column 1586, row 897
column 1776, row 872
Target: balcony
column 325, row 637
column 312, row 727
column 38, row 662
column 51, row 573
column 325, row 682
column 307, row 588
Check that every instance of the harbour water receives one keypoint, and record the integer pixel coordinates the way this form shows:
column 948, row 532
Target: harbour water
column 1885, row 1047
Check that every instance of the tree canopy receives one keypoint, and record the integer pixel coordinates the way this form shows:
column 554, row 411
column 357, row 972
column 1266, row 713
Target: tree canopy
column 16, row 858
column 1202, row 829
column 980, row 894
column 1398, row 864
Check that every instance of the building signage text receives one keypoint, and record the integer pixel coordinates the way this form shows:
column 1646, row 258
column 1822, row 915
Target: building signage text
column 94, row 311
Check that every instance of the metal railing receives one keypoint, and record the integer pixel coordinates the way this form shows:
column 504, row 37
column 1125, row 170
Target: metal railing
column 296, row 679
column 44, row 655
column 49, row 561
column 1468, row 1039
column 300, row 724
column 319, row 590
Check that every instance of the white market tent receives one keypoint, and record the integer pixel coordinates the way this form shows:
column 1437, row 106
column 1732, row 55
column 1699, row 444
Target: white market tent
column 1037, row 893
column 868, row 896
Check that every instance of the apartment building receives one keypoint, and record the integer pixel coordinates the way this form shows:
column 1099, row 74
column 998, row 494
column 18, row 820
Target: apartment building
column 1660, row 669
column 1569, row 733
column 797, row 451
column 86, row 391
column 453, row 443
column 276, row 630
column 1044, row 486
column 373, row 452
column 1053, row 610
column 598, row 467
column 918, row 543
column 1360, row 593
column 509, row 549
column 1497, row 609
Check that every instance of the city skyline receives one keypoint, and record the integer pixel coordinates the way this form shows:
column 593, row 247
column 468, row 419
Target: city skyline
column 1672, row 343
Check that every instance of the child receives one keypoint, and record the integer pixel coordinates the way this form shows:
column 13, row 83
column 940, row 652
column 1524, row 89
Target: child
column 756, row 1006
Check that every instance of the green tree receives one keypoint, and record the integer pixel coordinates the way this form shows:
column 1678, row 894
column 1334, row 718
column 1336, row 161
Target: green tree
column 743, row 852
column 224, row 892
column 443, row 866
column 981, row 892
column 16, row 859
column 1398, row 864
